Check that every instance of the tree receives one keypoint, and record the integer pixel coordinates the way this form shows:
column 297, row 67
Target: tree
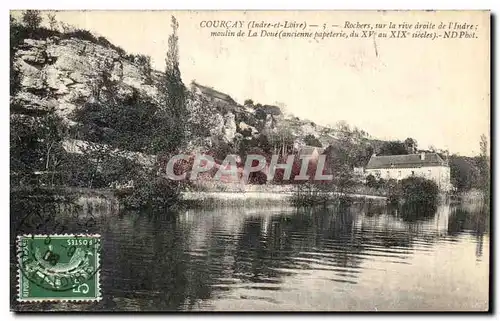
column 312, row 140
column 35, row 147
column 393, row 148
column 103, row 83
column 67, row 28
column 280, row 138
column 411, row 145
column 371, row 181
column 52, row 21
column 364, row 154
column 97, row 155
column 144, row 63
column 16, row 37
column 464, row 172
column 127, row 124
column 175, row 113
column 32, row 19
column 52, row 135
column 341, row 157
column 484, row 166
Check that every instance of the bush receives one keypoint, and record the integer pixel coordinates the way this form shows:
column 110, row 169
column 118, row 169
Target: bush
column 311, row 140
column 419, row 190
column 144, row 63
column 150, row 192
column 371, row 181
column 381, row 183
column 309, row 195
column 81, row 34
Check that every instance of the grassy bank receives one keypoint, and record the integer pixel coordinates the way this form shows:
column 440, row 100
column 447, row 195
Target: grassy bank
column 277, row 195
column 87, row 199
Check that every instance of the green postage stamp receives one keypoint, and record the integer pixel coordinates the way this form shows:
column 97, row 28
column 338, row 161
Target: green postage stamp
column 58, row 268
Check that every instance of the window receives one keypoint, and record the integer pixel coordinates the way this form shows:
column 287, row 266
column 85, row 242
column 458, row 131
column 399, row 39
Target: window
column 399, row 174
column 412, row 173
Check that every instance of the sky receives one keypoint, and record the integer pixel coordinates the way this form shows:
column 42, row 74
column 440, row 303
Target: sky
column 435, row 91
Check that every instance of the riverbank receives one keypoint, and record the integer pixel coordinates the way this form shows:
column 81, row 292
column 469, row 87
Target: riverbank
column 256, row 197
column 250, row 195
column 90, row 200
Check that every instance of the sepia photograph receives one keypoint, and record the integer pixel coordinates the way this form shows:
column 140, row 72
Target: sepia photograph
column 177, row 161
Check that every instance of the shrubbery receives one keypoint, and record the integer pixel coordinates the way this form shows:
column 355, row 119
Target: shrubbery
column 414, row 190
column 419, row 189
column 151, row 192
column 312, row 140
column 409, row 190
column 308, row 194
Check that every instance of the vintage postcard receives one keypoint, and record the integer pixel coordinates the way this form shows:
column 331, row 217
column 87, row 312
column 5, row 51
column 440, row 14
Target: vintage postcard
column 250, row 161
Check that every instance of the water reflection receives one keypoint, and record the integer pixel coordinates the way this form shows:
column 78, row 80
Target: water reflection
column 283, row 258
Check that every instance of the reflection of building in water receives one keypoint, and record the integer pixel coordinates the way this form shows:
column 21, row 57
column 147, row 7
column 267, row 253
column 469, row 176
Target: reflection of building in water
column 441, row 218
column 393, row 229
column 398, row 167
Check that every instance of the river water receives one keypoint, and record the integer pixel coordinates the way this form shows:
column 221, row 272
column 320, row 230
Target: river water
column 364, row 257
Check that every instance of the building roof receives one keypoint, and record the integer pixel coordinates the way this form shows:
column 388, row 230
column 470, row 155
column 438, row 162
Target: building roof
column 405, row 161
column 214, row 93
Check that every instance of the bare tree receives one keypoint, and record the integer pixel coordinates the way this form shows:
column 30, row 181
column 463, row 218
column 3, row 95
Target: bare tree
column 52, row 21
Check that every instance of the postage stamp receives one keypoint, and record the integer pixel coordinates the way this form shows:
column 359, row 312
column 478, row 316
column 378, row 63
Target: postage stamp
column 58, row 268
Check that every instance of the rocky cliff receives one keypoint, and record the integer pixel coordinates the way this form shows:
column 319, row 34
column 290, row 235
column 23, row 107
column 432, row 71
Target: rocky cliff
column 59, row 73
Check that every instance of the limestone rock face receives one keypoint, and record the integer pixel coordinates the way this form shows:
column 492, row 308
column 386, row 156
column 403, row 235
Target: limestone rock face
column 60, row 73
column 229, row 129
column 217, row 130
column 249, row 130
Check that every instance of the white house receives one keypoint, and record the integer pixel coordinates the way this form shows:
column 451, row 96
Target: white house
column 427, row 165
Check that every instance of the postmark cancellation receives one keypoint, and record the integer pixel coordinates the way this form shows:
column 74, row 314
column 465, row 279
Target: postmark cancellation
column 58, row 268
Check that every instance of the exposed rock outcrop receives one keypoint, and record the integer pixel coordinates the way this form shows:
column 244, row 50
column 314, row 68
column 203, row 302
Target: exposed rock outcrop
column 59, row 75
column 229, row 129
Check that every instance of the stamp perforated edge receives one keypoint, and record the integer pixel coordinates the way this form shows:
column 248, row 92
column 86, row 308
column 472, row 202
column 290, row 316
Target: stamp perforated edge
column 98, row 296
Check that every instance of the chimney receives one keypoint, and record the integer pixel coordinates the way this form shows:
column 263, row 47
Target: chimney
column 422, row 156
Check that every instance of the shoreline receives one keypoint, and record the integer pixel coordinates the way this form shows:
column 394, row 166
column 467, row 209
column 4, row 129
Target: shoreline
column 264, row 195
